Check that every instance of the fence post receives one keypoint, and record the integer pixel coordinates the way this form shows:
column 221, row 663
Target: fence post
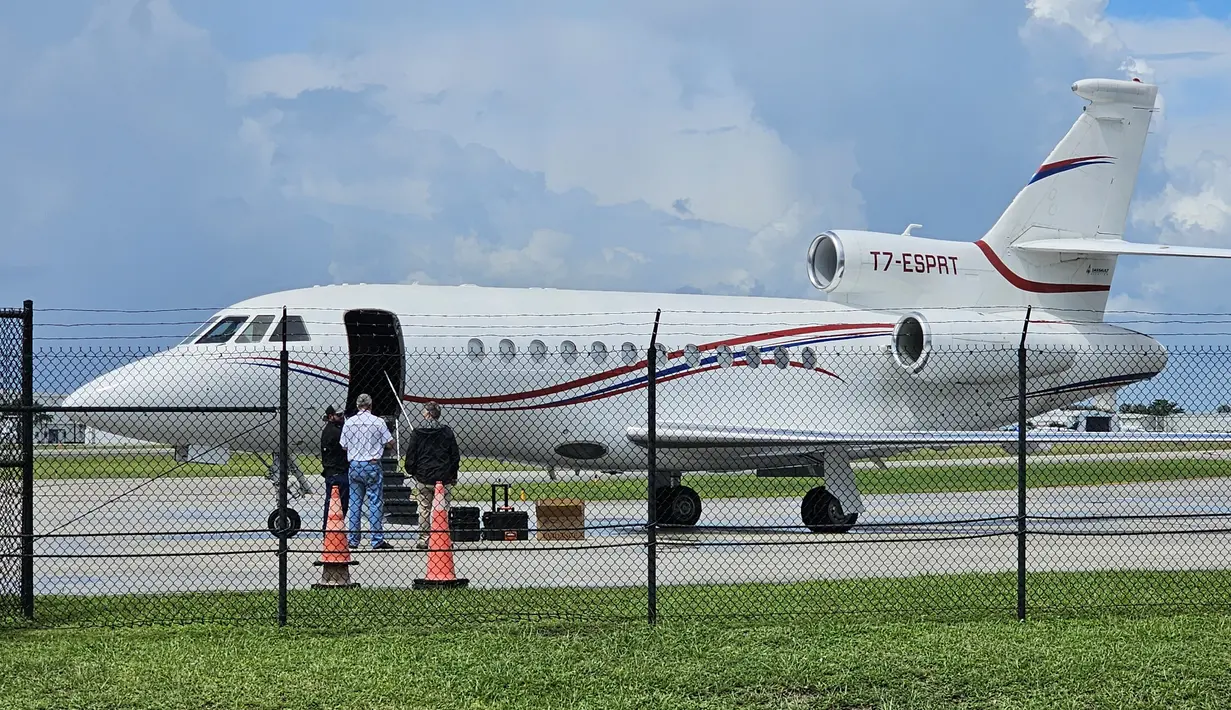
column 651, row 363
column 27, row 464
column 1021, row 471
column 284, row 465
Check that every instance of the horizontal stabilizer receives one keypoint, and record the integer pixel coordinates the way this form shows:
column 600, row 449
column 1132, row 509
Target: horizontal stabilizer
column 1119, row 247
column 686, row 436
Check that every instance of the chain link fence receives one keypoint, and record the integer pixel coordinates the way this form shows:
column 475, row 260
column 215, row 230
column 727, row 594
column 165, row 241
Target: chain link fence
column 595, row 482
column 14, row 336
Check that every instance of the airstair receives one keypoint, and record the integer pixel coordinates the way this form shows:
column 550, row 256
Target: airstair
column 401, row 507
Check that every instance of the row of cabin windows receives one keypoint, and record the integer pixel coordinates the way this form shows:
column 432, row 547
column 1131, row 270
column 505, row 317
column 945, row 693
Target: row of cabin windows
column 628, row 354
column 217, row 332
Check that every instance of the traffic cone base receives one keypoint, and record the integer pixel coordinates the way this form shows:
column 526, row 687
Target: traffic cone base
column 335, row 561
column 440, row 573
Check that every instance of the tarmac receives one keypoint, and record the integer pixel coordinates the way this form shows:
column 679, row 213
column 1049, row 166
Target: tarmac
column 127, row 536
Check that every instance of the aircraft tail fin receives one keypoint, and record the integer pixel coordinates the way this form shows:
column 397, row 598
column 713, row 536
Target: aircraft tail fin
column 1083, row 188
column 1055, row 243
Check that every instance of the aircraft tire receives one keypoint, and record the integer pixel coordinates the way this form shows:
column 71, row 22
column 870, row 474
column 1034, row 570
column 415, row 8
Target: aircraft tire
column 822, row 513
column 678, row 507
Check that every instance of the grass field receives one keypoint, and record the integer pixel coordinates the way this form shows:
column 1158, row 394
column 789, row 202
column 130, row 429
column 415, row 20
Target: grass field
column 804, row 655
column 931, row 479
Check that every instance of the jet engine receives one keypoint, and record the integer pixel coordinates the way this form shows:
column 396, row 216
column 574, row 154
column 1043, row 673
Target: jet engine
column 967, row 346
column 877, row 270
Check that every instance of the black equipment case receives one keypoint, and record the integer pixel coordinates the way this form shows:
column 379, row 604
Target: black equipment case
column 504, row 523
column 464, row 523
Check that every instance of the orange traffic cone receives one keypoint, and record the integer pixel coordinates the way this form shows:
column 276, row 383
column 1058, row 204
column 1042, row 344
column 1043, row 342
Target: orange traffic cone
column 335, row 558
column 440, row 573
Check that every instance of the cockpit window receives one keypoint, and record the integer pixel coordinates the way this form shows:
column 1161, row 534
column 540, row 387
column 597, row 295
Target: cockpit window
column 223, row 331
column 255, row 330
column 296, row 331
column 197, row 333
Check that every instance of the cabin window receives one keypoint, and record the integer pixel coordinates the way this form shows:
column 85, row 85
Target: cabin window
column 255, row 330
column 296, row 331
column 598, row 352
column 752, row 356
column 661, row 353
column 223, row 331
column 724, row 356
column 474, row 348
column 692, row 355
column 507, row 349
column 538, row 350
column 782, row 357
column 568, row 351
column 808, row 358
column 197, row 333
column 628, row 353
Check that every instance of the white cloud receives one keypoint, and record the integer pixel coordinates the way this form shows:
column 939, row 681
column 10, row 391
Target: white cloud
column 1088, row 17
column 541, row 261
column 561, row 97
column 1200, row 214
column 635, row 145
column 399, row 195
column 1185, row 192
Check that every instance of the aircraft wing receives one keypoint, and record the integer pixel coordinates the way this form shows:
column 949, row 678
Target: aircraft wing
column 682, row 435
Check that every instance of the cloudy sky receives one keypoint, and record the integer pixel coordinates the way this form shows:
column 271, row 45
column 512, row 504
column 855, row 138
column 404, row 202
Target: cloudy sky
column 172, row 153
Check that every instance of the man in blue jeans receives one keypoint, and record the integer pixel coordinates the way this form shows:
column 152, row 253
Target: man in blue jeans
column 365, row 438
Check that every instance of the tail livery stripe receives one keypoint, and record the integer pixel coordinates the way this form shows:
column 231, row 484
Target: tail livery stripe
column 1034, row 286
column 1060, row 166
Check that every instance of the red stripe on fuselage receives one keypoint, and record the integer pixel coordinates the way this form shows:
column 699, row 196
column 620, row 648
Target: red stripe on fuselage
column 1034, row 286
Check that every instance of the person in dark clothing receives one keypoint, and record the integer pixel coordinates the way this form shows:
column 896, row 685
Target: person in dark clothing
column 432, row 456
column 334, row 465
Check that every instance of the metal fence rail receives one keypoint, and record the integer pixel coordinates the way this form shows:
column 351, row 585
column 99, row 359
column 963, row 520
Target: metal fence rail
column 16, row 593
column 648, row 480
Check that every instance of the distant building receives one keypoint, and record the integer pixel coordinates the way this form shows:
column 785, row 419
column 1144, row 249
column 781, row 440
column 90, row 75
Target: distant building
column 1197, row 422
column 1081, row 420
column 56, row 428
column 95, row 437
column 1093, row 420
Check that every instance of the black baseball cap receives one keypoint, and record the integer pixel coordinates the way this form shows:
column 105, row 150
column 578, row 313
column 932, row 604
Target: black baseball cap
column 330, row 411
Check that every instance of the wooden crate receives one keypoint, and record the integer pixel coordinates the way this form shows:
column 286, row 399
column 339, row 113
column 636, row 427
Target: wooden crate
column 560, row 519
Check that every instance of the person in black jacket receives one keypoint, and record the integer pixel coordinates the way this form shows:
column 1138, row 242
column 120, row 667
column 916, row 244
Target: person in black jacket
column 432, row 456
column 334, row 465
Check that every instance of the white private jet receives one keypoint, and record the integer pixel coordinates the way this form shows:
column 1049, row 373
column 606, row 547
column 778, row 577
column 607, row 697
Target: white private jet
column 916, row 347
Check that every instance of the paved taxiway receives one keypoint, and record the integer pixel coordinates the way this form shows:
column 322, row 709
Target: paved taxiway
column 752, row 540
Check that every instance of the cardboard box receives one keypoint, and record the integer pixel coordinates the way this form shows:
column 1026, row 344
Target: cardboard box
column 560, row 519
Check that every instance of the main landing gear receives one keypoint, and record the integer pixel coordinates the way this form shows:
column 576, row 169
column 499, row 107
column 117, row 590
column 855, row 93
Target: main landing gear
column 678, row 507
column 833, row 508
column 822, row 512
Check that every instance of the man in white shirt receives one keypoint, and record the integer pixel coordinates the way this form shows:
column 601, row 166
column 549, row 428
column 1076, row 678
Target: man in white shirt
column 365, row 438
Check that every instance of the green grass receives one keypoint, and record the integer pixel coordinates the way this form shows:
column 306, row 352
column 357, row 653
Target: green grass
column 931, row 479
column 969, row 596
column 142, row 465
column 986, row 450
column 935, row 479
column 394, row 649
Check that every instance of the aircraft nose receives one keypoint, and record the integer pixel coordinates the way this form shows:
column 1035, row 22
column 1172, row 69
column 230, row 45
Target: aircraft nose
column 99, row 392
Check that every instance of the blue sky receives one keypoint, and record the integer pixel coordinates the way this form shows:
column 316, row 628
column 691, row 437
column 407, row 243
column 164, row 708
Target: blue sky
column 177, row 153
